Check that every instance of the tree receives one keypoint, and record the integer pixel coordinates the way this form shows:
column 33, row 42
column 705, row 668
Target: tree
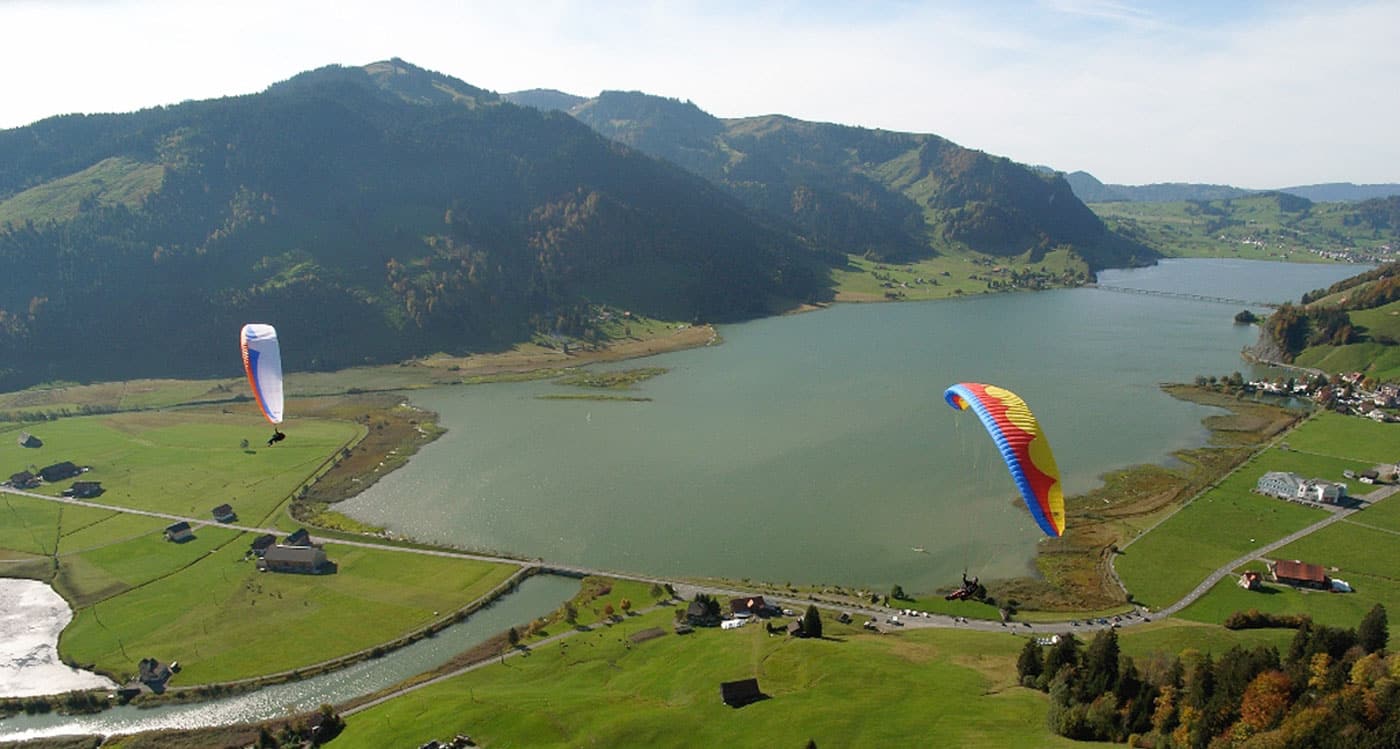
column 1063, row 653
column 625, row 604
column 812, row 622
column 570, row 613
column 897, row 593
column 1100, row 666
column 1374, row 631
column 608, row 611
column 1031, row 663
column 514, row 636
column 1265, row 700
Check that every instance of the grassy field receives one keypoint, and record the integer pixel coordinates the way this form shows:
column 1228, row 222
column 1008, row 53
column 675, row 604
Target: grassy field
column 1377, row 360
column 1230, row 520
column 924, row 687
column 851, row 689
column 1358, row 550
column 224, row 620
column 943, row 276
column 1249, row 228
column 185, row 462
column 1173, row 636
column 137, row 595
column 114, row 181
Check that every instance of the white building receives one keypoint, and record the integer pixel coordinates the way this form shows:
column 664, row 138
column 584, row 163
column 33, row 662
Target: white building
column 1285, row 485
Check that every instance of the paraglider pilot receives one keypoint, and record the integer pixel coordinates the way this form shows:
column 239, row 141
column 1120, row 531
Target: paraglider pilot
column 277, row 436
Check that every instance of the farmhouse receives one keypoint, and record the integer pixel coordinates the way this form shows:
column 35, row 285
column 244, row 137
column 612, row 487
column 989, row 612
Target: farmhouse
column 24, row 480
column 303, row 559
column 179, row 532
column 1251, row 580
column 698, row 613
column 299, row 537
column 59, row 471
column 1299, row 573
column 224, row 513
column 751, row 606
column 84, row 489
column 28, row 440
column 262, row 543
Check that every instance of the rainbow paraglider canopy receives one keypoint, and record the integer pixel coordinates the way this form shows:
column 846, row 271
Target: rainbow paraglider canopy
column 1023, row 446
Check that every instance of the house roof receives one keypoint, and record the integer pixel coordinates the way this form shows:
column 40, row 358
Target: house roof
column 21, row 477
column 298, row 537
column 695, row 608
column 223, row 509
column 750, row 604
column 294, row 554
column 264, row 541
column 1296, row 570
column 176, row 527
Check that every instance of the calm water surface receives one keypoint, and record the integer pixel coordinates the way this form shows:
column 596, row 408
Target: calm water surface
column 817, row 447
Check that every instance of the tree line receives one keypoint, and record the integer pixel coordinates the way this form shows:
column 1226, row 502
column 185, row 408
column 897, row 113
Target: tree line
column 1333, row 687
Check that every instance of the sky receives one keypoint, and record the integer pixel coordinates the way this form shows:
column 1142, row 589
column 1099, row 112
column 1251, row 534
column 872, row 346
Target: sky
column 1251, row 93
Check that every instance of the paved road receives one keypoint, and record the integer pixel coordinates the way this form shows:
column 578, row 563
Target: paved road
column 879, row 614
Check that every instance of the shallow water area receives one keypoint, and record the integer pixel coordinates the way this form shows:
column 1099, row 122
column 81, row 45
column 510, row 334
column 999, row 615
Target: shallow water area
column 32, row 615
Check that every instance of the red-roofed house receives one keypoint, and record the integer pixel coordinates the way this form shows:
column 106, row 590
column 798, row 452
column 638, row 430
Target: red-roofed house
column 1299, row 573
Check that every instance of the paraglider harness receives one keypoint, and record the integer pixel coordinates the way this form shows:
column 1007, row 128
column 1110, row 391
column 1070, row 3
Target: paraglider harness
column 277, row 436
column 968, row 589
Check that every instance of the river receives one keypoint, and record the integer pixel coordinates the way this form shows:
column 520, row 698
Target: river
column 817, row 448
column 535, row 597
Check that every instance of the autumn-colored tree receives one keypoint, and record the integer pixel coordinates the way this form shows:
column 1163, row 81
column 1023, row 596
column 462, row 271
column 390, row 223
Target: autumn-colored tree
column 1317, row 671
column 608, row 611
column 625, row 604
column 1266, row 699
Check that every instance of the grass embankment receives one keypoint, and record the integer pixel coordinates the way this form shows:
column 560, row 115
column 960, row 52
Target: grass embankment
column 1076, row 576
column 1230, row 520
column 136, row 595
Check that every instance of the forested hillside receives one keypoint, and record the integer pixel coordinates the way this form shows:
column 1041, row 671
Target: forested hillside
column 888, row 195
column 370, row 213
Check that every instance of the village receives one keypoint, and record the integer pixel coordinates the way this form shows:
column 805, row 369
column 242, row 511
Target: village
column 1352, row 393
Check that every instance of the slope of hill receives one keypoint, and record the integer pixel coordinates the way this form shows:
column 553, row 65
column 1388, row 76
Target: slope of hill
column 1090, row 190
column 1275, row 225
column 371, row 213
column 546, row 99
column 884, row 194
column 1351, row 326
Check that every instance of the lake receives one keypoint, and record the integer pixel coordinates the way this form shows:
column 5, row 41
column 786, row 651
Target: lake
column 816, row 448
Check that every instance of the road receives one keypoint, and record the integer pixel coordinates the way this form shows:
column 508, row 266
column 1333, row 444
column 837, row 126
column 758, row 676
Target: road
column 686, row 590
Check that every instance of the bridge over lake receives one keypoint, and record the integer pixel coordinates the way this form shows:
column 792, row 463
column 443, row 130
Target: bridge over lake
column 1185, row 295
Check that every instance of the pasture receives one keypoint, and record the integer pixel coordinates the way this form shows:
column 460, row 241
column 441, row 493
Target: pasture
column 850, row 689
column 202, row 602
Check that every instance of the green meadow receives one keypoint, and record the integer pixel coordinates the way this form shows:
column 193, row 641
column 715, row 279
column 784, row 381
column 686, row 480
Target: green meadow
column 223, row 620
column 854, row 688
column 202, row 602
column 1230, row 520
column 944, row 276
column 850, row 689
